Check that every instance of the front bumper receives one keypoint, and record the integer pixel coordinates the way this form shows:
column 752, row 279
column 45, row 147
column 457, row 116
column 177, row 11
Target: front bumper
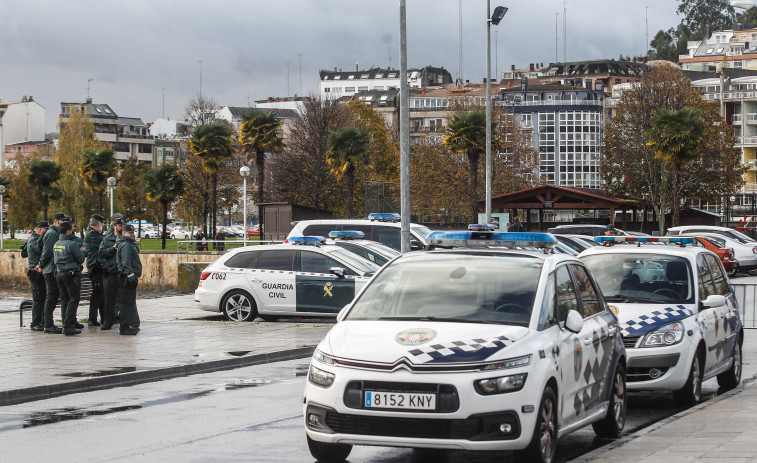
column 659, row 368
column 475, row 422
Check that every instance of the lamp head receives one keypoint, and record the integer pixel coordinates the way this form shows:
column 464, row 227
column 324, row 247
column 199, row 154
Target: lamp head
column 2, row 189
column 111, row 181
column 244, row 171
column 498, row 14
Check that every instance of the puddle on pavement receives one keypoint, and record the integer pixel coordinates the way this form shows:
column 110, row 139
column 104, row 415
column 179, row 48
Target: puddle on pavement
column 301, row 371
column 95, row 374
column 239, row 353
column 69, row 414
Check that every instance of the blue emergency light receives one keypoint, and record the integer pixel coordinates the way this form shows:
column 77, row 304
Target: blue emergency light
column 385, row 217
column 346, row 235
column 478, row 239
column 307, row 240
column 481, row 227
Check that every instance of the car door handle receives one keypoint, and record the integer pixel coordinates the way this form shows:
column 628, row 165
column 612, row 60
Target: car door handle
column 255, row 280
column 611, row 331
column 588, row 340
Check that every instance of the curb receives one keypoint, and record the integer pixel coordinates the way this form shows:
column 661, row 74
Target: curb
column 31, row 394
column 599, row 452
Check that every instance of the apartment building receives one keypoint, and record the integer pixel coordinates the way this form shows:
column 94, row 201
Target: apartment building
column 20, row 122
column 337, row 83
column 736, row 48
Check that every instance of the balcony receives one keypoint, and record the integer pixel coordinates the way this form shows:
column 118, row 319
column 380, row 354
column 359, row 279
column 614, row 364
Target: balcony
column 736, row 118
column 747, row 141
column 551, row 103
column 751, row 118
column 749, row 188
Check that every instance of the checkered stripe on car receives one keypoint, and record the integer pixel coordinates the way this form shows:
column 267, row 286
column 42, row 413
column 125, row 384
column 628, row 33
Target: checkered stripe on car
column 645, row 323
column 473, row 350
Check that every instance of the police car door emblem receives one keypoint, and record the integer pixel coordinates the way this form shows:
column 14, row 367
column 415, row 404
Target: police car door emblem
column 415, row 336
column 327, row 288
column 577, row 359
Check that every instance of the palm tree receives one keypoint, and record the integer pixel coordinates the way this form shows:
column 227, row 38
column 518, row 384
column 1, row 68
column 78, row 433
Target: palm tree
column 95, row 168
column 42, row 175
column 676, row 137
column 259, row 132
column 164, row 184
column 466, row 134
column 348, row 149
column 212, row 144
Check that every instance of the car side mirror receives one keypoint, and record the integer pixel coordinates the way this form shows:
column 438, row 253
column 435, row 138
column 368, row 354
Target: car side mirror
column 338, row 271
column 415, row 245
column 574, row 322
column 713, row 300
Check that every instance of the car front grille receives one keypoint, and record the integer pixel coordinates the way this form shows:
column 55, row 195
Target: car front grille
column 630, row 341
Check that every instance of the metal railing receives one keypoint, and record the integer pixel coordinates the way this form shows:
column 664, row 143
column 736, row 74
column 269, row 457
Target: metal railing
column 746, row 295
column 551, row 103
column 188, row 248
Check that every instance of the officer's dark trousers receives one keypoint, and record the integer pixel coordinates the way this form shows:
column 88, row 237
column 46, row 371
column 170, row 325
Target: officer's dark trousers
column 69, row 285
column 97, row 299
column 51, row 298
column 110, row 286
column 39, row 293
column 127, row 298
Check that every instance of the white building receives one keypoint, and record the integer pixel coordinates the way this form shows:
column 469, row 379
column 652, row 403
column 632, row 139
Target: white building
column 20, row 121
column 337, row 84
column 233, row 114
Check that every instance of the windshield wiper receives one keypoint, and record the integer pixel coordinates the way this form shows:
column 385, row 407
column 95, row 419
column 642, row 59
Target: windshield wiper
column 432, row 318
column 631, row 299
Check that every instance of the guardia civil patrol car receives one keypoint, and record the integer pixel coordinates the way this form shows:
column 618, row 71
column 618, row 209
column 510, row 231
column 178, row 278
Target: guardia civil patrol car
column 355, row 242
column 678, row 315
column 468, row 346
column 303, row 278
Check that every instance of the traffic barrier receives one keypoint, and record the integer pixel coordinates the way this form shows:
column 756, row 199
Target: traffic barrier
column 746, row 295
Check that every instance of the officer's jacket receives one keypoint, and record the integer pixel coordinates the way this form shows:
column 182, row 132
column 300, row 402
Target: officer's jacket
column 107, row 252
column 128, row 257
column 34, row 249
column 67, row 254
column 92, row 248
column 46, row 262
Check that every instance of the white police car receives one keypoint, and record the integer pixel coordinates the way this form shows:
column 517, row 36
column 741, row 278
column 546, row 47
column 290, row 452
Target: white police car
column 353, row 241
column 303, row 278
column 471, row 347
column 678, row 315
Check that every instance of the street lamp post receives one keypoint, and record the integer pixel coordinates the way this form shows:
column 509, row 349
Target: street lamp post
column 2, row 214
column 244, row 171
column 499, row 13
column 111, row 188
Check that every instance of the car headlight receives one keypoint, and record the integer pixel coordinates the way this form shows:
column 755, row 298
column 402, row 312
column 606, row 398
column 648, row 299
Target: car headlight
column 320, row 377
column 323, row 358
column 509, row 363
column 666, row 335
column 502, row 384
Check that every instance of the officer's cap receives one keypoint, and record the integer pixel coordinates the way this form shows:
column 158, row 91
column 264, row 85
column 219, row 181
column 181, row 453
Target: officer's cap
column 610, row 227
column 116, row 216
column 65, row 226
column 128, row 227
column 43, row 225
column 98, row 217
column 59, row 216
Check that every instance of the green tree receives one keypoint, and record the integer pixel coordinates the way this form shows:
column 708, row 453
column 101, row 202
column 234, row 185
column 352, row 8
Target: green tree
column 164, row 184
column 43, row 175
column 24, row 210
column 130, row 191
column 212, row 144
column 95, row 168
column 676, row 137
column 701, row 16
column 466, row 134
column 348, row 148
column 259, row 133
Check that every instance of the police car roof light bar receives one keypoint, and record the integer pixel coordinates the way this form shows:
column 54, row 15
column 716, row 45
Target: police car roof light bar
column 346, row 235
column 679, row 240
column 477, row 239
column 307, row 240
column 385, row 216
column 481, row 227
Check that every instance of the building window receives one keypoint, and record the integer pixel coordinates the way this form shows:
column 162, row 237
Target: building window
column 362, row 89
column 349, row 89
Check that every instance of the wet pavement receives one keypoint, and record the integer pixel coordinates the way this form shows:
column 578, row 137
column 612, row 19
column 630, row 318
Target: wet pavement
column 175, row 339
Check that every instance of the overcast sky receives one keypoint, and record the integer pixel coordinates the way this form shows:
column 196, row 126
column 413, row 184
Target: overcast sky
column 134, row 49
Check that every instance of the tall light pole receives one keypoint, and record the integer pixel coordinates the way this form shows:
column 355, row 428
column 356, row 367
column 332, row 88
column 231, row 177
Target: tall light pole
column 499, row 13
column 111, row 188
column 2, row 214
column 404, row 136
column 244, row 171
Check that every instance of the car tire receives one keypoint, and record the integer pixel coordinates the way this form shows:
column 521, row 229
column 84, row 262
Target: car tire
column 543, row 443
column 612, row 424
column 328, row 453
column 691, row 392
column 269, row 318
column 239, row 306
column 732, row 377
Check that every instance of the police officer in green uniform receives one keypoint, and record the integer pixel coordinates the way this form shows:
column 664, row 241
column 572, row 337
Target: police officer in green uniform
column 39, row 292
column 92, row 241
column 68, row 261
column 47, row 266
column 130, row 269
column 107, row 253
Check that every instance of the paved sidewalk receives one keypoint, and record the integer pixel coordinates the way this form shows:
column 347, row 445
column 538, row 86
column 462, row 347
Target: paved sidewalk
column 176, row 340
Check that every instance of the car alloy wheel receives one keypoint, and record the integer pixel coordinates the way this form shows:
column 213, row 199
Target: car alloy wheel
column 612, row 424
column 238, row 306
column 691, row 392
column 732, row 377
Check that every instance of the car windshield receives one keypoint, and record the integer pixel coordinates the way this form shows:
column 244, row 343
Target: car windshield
column 460, row 287
column 421, row 231
column 738, row 236
column 382, row 249
column 642, row 277
column 357, row 263
column 715, row 240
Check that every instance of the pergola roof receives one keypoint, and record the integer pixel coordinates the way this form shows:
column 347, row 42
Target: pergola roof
column 562, row 198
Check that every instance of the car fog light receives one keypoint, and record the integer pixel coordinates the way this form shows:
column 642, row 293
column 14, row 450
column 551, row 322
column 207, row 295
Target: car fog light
column 505, row 428
column 320, row 377
column 654, row 373
column 314, row 419
column 500, row 385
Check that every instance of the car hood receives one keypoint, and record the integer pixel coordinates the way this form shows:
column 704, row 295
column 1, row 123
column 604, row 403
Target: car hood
column 421, row 342
column 640, row 319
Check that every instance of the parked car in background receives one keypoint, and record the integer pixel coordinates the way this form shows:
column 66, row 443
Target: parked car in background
column 576, row 242
column 354, row 242
column 698, row 229
column 583, row 229
column 182, row 234
column 745, row 253
column 717, row 245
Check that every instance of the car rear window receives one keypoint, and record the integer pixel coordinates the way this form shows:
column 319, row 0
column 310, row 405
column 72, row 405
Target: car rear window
column 242, row 259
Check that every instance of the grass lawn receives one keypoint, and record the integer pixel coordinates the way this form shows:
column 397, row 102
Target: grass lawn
column 144, row 245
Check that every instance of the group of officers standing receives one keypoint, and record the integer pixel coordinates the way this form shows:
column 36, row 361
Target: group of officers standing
column 56, row 260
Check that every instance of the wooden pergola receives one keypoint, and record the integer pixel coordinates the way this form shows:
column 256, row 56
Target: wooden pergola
column 552, row 197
